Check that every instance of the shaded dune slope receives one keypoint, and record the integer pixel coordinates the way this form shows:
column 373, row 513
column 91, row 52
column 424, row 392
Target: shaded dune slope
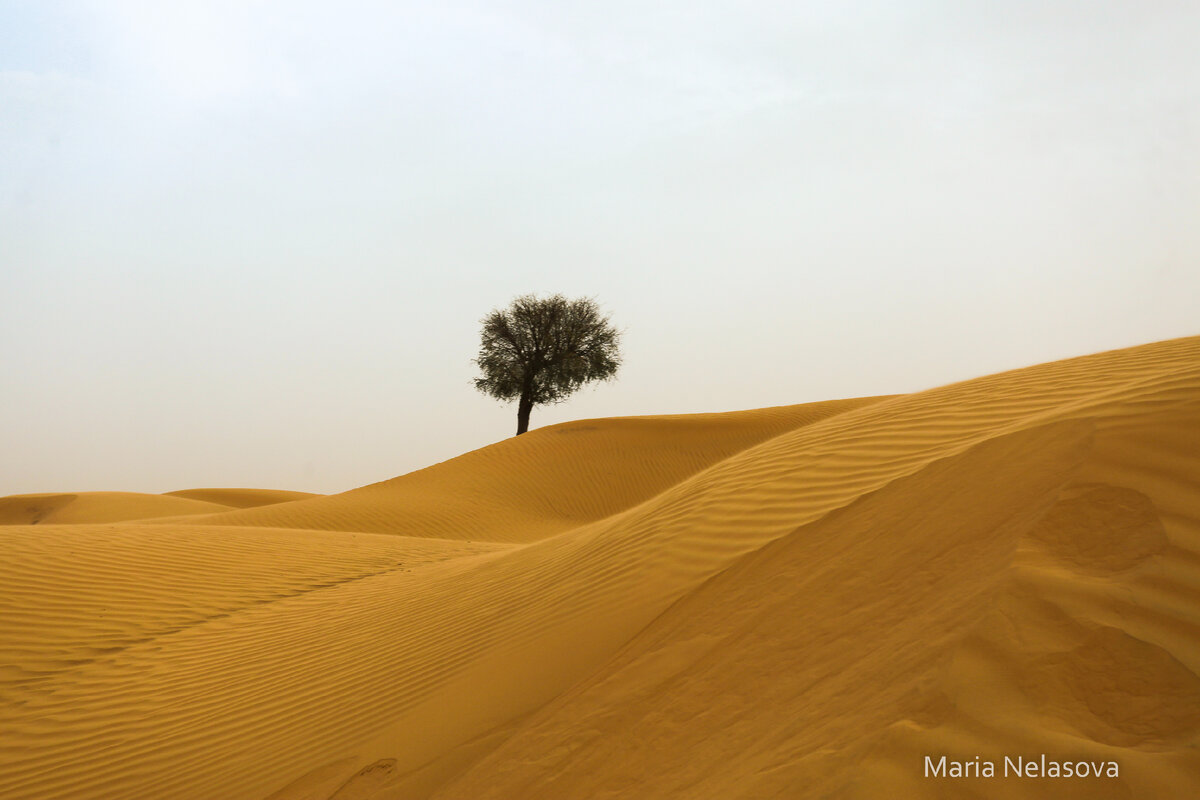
column 803, row 615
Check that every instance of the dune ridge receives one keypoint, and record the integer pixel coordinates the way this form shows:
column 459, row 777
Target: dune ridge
column 790, row 602
column 585, row 470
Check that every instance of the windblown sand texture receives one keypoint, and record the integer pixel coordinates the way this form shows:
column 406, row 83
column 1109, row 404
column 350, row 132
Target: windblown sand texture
column 785, row 603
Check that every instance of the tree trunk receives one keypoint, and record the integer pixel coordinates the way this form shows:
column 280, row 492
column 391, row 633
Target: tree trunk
column 524, row 406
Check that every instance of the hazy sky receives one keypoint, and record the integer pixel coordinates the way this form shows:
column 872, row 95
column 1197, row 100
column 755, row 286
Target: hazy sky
column 249, row 243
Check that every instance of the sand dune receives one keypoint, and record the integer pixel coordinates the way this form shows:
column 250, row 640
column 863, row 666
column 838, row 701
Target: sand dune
column 95, row 507
column 793, row 602
column 527, row 488
column 242, row 498
column 89, row 507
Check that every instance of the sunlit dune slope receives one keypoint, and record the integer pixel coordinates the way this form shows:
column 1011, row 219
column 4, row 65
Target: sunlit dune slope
column 85, row 507
column 830, row 662
column 242, row 498
column 1009, row 565
column 551, row 479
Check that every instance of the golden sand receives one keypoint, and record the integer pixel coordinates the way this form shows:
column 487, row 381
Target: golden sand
column 91, row 507
column 792, row 602
column 242, row 498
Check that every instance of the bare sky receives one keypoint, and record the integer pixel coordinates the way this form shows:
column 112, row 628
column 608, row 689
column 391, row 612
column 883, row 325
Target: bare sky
column 249, row 243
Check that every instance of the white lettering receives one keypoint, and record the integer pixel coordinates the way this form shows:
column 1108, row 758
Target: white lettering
column 1021, row 767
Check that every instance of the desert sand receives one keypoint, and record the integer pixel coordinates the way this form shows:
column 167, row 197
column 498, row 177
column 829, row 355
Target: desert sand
column 790, row 602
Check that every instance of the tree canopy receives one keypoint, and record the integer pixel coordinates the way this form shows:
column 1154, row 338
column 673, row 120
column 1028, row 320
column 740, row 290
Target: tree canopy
column 541, row 350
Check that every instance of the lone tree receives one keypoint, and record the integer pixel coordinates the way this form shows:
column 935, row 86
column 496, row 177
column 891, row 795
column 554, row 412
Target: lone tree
column 539, row 351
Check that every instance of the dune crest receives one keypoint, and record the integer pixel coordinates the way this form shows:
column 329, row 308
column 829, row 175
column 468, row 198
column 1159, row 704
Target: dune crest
column 800, row 601
column 547, row 481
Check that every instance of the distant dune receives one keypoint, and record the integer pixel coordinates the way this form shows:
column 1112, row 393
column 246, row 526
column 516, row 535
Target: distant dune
column 792, row 602
column 92, row 507
column 86, row 507
column 242, row 498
